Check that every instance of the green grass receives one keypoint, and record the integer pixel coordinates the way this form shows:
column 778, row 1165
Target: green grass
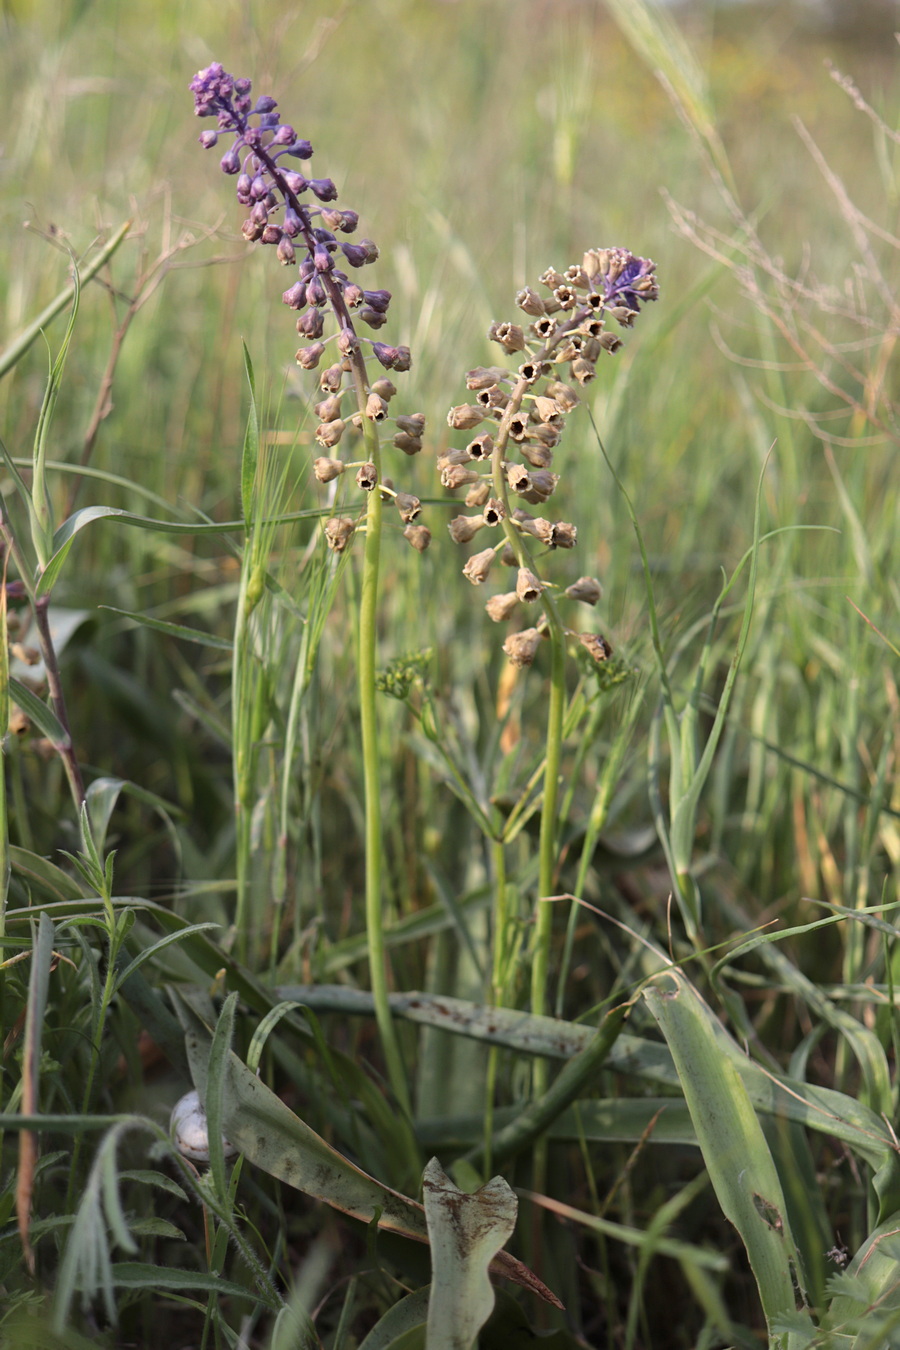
column 739, row 905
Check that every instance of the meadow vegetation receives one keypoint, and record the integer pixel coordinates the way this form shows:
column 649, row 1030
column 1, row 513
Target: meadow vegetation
column 578, row 974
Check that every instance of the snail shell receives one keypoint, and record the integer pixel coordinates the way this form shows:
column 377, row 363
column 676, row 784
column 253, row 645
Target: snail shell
column 190, row 1130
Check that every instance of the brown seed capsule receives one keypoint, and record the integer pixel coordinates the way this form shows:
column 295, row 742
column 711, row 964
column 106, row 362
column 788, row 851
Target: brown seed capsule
column 609, row 342
column 484, row 377
column 538, row 456
column 598, row 646
column 518, row 477
column 367, row 477
column 478, row 566
column 492, row 399
column 454, row 454
column 528, row 586
column 563, row 394
column 548, row 410
column 508, row 556
column 464, row 528
column 481, row 448
column 521, row 648
column 493, row 512
column 529, row 301
column 339, row 532
column 465, row 416
column 419, row 536
column 510, row 336
column 456, row 477
column 408, row 506
column 546, row 433
column 499, row 607
column 328, row 434
column 327, row 469
column 544, row 328
column 587, row 589
column 543, row 483
column 518, row 426
column 583, row 371
column 376, row 408
column 563, row 535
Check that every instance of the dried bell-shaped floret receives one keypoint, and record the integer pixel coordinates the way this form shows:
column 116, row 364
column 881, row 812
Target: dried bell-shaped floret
column 478, row 566
column 500, row 607
column 521, row 648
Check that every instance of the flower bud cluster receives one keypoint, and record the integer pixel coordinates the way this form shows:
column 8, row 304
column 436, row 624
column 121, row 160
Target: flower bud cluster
column 295, row 213
column 518, row 418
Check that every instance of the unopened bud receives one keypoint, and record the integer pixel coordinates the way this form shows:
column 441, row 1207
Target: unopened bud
column 483, row 377
column 328, row 434
column 500, row 607
column 477, row 495
column 563, row 394
column 465, row 416
column 309, row 357
column 339, row 532
column 456, row 476
column 464, row 528
column 410, row 445
column 311, row 324
column 327, row 469
column 408, row 506
column 414, row 423
column 419, row 536
column 478, row 566
column 521, row 648
column 586, row 589
column 330, row 379
column 563, row 535
column 597, row 646
column 538, row 456
column 529, row 301
column 385, row 389
column 329, row 409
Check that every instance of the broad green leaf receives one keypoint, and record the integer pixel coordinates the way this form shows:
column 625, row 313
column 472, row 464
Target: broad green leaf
column 45, row 875
column 734, row 1147
column 466, row 1233
column 823, row 1109
column 268, row 1133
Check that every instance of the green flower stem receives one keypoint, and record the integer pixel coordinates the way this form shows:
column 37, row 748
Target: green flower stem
column 543, row 927
column 379, row 971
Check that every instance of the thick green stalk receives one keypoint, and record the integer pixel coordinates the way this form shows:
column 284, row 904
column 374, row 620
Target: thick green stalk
column 368, row 617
